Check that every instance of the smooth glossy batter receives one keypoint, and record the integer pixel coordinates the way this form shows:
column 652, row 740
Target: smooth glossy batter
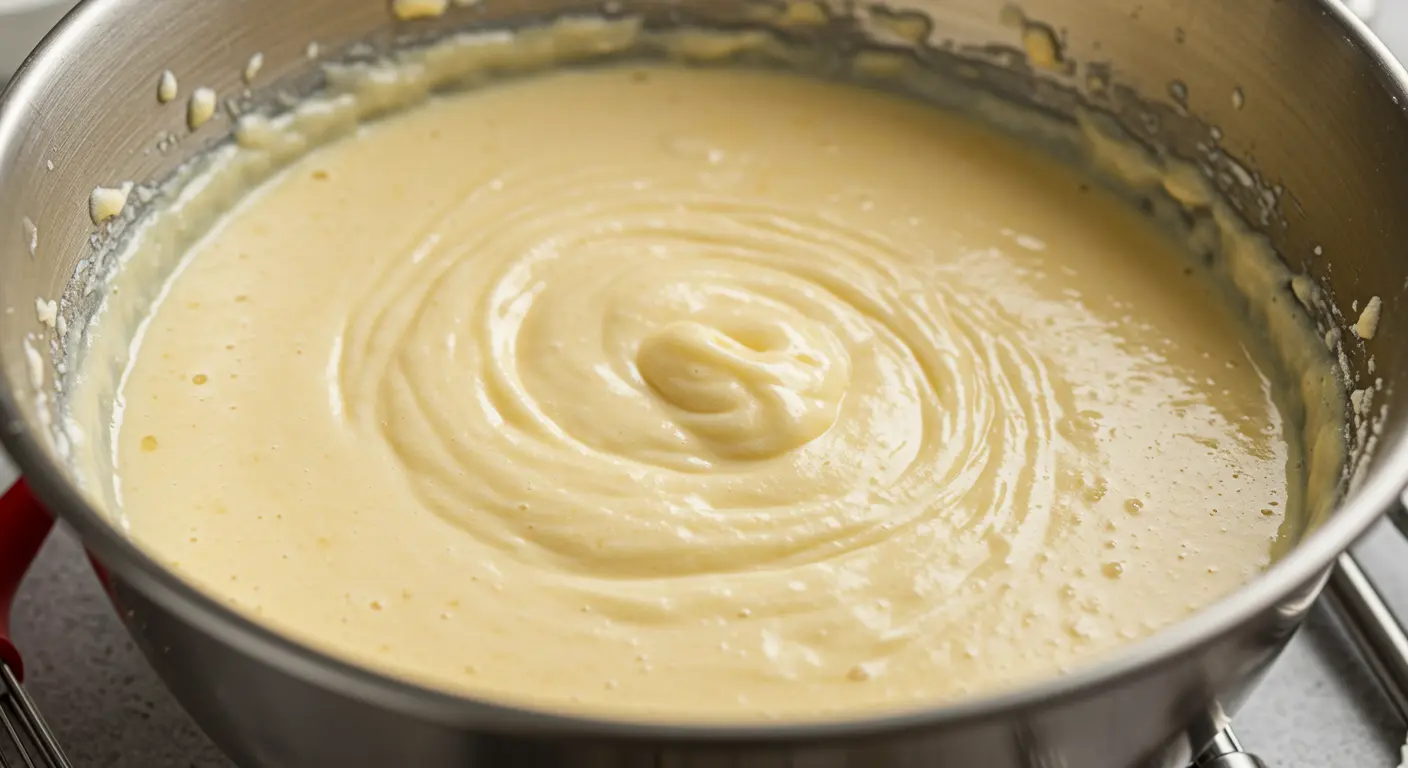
column 699, row 394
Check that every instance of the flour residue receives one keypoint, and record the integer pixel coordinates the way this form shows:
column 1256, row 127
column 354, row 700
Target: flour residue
column 166, row 87
column 252, row 68
column 200, row 108
column 418, row 9
column 105, row 203
column 1368, row 323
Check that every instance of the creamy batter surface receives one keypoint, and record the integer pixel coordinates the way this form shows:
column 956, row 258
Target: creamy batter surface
column 699, row 394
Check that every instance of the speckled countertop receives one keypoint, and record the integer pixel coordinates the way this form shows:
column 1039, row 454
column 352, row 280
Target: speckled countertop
column 1318, row 708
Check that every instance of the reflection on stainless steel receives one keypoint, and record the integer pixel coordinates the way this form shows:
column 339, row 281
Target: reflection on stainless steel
column 1373, row 627
column 1291, row 87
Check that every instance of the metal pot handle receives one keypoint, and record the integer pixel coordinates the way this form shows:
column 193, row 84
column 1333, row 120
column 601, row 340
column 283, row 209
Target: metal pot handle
column 24, row 525
column 1226, row 752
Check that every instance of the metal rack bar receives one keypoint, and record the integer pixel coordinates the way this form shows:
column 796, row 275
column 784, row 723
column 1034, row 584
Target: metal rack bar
column 1373, row 628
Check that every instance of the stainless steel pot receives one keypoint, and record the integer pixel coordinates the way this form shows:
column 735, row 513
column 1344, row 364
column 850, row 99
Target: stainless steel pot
column 1299, row 94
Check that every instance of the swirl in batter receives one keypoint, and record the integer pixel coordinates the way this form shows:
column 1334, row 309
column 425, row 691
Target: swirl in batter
column 730, row 384
column 705, row 394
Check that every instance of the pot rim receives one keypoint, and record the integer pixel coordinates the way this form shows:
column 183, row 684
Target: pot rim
column 1307, row 563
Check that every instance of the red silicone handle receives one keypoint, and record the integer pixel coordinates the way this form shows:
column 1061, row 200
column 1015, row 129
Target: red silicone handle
column 24, row 525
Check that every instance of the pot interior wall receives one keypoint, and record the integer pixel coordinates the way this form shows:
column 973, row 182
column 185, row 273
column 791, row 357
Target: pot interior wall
column 1298, row 126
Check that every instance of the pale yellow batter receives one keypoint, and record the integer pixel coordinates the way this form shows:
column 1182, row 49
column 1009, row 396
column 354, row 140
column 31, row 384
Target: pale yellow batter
column 699, row 394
